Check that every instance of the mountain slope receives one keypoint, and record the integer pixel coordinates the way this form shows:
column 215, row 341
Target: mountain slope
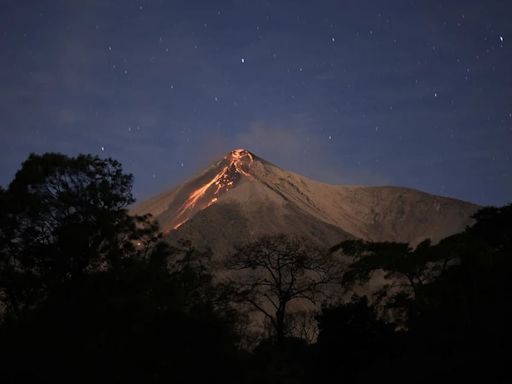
column 242, row 197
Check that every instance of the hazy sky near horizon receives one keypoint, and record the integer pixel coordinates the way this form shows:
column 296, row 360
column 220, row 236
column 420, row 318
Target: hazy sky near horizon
column 409, row 93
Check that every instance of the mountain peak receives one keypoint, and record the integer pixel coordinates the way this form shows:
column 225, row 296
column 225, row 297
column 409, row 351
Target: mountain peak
column 225, row 175
column 240, row 151
column 241, row 196
column 239, row 161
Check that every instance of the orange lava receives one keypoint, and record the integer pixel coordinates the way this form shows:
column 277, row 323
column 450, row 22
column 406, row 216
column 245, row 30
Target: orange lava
column 239, row 162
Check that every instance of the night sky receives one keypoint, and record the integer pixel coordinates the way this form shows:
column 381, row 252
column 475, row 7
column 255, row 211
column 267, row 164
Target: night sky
column 408, row 93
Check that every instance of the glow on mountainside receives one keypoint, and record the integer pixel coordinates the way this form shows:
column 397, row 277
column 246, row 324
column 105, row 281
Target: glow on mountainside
column 239, row 162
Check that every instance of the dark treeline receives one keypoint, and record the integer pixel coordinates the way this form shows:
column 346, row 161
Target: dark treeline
column 89, row 293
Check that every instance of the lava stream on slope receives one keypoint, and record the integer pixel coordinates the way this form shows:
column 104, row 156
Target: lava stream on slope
column 236, row 165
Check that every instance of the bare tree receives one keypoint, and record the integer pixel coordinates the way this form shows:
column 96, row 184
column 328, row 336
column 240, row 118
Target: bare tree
column 275, row 270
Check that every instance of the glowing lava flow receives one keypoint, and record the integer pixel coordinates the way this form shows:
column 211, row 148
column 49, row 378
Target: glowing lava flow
column 239, row 162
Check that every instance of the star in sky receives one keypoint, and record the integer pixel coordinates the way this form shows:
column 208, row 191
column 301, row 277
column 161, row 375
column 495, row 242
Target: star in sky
column 422, row 88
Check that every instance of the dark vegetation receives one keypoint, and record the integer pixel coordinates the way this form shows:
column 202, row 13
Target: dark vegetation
column 89, row 293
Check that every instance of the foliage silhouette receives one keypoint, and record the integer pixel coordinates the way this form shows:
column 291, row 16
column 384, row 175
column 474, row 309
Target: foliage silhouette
column 457, row 297
column 276, row 270
column 89, row 292
column 354, row 344
column 65, row 217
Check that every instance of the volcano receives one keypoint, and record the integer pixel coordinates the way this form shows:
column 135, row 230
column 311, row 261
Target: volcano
column 241, row 197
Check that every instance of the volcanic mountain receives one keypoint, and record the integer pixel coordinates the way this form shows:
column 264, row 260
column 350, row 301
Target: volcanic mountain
column 242, row 197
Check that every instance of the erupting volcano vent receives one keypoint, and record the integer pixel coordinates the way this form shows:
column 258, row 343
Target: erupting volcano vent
column 234, row 166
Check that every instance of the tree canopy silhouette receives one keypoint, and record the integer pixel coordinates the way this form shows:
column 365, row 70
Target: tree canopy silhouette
column 354, row 344
column 63, row 217
column 89, row 293
column 276, row 270
column 406, row 270
column 458, row 297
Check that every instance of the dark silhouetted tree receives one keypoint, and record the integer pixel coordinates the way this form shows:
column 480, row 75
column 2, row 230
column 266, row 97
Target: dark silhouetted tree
column 457, row 295
column 406, row 271
column 466, row 320
column 63, row 217
column 275, row 270
column 354, row 343
column 90, row 293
